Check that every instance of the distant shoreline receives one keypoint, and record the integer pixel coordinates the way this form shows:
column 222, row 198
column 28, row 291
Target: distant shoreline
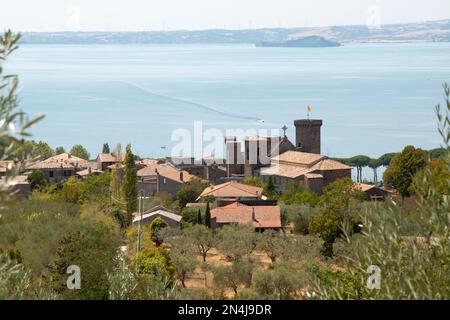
column 433, row 31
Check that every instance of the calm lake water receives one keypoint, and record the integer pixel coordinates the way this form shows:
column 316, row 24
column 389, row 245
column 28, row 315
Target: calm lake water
column 373, row 98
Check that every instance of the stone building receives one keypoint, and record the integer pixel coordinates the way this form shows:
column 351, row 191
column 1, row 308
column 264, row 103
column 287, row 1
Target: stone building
column 314, row 171
column 372, row 192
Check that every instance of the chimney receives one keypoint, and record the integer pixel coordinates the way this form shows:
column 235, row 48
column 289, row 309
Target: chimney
column 157, row 181
column 181, row 176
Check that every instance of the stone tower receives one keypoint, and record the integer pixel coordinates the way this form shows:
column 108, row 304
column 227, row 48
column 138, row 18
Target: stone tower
column 308, row 135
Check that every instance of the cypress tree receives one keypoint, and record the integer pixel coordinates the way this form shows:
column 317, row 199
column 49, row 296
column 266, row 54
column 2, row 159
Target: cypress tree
column 199, row 217
column 129, row 190
column 106, row 148
column 208, row 216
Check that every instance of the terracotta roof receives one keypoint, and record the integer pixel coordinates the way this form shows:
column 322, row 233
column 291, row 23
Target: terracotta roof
column 366, row 187
column 150, row 170
column 294, row 164
column 108, row 157
column 50, row 165
column 265, row 216
column 15, row 180
column 158, row 210
column 299, row 158
column 233, row 190
column 329, row 164
column 87, row 172
column 67, row 157
column 176, row 176
column 61, row 161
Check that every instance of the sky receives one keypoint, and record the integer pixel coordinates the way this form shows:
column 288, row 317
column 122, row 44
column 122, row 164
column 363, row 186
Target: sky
column 147, row 15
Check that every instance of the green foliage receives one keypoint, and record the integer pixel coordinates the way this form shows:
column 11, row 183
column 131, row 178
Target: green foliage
column 37, row 180
column 347, row 287
column 127, row 284
column 386, row 159
column 359, row 162
column 35, row 227
column 253, row 181
column 438, row 153
column 129, row 190
column 202, row 239
column 42, row 150
column 14, row 123
column 236, row 241
column 402, row 169
column 233, row 276
column 156, row 227
column 190, row 216
column 338, row 201
column 93, row 246
column 439, row 170
column 155, row 261
column 80, row 152
column 59, row 150
column 182, row 254
column 413, row 266
column 282, row 282
column 75, row 190
column 106, row 148
column 270, row 190
column 189, row 192
column 295, row 194
column 208, row 216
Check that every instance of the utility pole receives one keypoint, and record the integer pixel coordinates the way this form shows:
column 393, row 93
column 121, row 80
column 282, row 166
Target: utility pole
column 141, row 211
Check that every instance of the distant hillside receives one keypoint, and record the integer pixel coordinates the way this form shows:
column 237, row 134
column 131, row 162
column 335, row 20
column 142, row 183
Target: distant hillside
column 306, row 42
column 434, row 31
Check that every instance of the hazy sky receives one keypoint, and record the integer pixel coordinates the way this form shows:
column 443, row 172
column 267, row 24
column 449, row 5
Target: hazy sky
column 87, row 15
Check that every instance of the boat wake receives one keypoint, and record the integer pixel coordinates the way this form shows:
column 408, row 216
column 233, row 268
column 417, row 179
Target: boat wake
column 194, row 104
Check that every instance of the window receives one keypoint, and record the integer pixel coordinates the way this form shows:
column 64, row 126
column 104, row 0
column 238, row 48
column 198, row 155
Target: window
column 164, row 181
column 50, row 174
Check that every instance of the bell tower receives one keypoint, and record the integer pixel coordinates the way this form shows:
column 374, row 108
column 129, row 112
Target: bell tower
column 308, row 135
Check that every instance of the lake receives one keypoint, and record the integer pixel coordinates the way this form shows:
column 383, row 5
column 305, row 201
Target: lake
column 373, row 98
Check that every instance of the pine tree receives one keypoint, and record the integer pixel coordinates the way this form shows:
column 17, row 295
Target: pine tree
column 199, row 217
column 106, row 148
column 129, row 190
column 208, row 216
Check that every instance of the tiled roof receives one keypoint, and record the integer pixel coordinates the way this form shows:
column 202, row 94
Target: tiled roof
column 68, row 158
column 159, row 210
column 265, row 216
column 87, row 172
column 329, row 164
column 233, row 190
column 50, row 165
column 15, row 180
column 150, row 170
column 299, row 158
column 108, row 157
column 294, row 164
column 366, row 187
column 176, row 176
column 61, row 161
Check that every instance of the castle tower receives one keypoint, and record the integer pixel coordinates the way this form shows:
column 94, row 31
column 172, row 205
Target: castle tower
column 308, row 135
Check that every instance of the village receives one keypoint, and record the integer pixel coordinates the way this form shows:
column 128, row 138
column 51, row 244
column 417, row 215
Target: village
column 234, row 202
